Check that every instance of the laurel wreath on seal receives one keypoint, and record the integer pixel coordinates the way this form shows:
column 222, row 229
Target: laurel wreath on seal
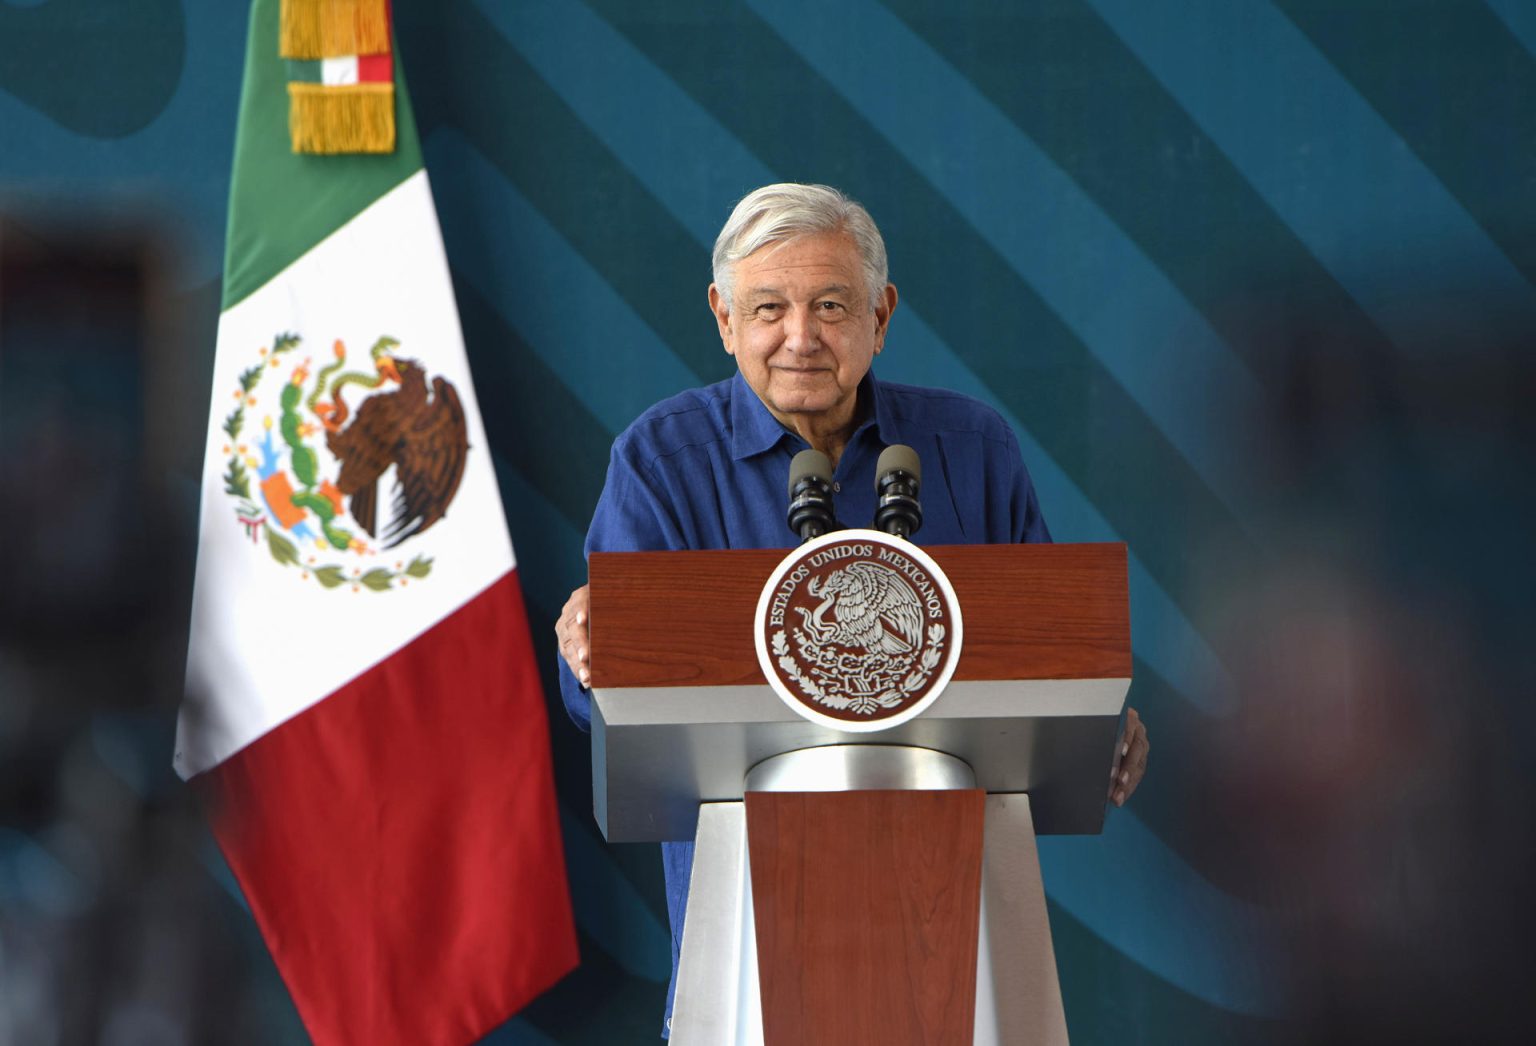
column 832, row 666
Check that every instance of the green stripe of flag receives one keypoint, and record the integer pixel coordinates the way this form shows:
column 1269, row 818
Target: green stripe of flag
column 282, row 204
column 304, row 70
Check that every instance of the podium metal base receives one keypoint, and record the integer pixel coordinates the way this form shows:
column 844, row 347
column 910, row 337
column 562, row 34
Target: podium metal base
column 1018, row 996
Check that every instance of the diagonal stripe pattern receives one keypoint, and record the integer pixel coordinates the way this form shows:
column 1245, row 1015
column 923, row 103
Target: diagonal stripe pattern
column 1123, row 224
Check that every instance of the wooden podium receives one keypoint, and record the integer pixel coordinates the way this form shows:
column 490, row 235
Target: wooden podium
column 877, row 888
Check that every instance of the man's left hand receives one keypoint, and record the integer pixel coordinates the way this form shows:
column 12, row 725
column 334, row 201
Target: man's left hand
column 575, row 634
column 1130, row 759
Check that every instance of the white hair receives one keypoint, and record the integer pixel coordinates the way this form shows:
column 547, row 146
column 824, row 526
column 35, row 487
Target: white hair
column 783, row 212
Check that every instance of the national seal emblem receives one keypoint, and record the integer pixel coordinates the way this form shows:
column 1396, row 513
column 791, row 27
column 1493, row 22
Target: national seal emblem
column 311, row 482
column 858, row 630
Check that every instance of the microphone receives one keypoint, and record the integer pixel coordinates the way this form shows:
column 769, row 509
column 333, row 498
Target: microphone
column 898, row 477
column 810, row 494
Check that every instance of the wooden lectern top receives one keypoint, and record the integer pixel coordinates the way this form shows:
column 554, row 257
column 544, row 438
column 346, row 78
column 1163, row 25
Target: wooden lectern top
column 1031, row 612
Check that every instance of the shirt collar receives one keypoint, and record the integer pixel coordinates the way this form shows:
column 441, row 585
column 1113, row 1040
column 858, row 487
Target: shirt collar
column 755, row 430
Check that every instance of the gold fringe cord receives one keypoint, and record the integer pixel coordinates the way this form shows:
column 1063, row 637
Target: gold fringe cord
column 332, row 28
column 298, row 34
column 371, row 24
column 350, row 118
column 338, row 28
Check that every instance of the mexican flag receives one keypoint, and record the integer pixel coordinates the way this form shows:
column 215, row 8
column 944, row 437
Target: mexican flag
column 363, row 715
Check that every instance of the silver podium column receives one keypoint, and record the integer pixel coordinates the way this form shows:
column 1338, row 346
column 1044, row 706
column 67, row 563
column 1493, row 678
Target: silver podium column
column 1018, row 998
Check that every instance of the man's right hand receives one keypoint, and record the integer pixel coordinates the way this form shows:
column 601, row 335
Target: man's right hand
column 575, row 635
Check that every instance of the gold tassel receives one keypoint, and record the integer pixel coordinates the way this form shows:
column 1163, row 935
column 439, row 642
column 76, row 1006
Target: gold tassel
column 350, row 118
column 338, row 28
column 331, row 28
column 298, row 34
column 372, row 24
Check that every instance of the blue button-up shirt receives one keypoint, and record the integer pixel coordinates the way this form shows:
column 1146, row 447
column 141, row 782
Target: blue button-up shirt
column 708, row 469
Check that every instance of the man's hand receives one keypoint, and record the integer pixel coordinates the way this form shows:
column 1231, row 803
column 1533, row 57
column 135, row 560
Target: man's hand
column 1130, row 758
column 575, row 635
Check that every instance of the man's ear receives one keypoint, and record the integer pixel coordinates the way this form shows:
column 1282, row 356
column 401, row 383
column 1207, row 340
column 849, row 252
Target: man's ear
column 721, row 307
column 884, row 306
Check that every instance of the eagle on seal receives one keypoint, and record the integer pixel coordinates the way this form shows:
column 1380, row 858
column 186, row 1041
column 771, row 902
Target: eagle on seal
column 423, row 436
column 873, row 608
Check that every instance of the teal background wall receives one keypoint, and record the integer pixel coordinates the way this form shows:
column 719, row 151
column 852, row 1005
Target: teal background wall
column 1253, row 280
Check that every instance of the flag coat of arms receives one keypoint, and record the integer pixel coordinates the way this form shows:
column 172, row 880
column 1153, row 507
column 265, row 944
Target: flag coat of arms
column 363, row 713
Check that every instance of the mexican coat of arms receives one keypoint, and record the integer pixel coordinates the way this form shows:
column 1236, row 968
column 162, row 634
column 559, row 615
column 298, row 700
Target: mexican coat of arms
column 858, row 630
column 333, row 466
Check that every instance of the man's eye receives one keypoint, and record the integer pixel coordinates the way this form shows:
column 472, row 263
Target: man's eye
column 769, row 309
column 831, row 307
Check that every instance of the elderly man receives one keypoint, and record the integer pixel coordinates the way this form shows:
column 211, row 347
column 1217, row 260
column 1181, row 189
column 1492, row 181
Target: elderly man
column 802, row 302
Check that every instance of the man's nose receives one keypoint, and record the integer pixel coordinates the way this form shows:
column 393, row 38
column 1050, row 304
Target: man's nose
column 802, row 330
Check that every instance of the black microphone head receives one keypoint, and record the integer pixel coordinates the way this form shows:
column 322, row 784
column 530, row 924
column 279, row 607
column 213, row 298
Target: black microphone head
column 810, row 495
column 898, row 478
column 899, row 457
column 810, row 464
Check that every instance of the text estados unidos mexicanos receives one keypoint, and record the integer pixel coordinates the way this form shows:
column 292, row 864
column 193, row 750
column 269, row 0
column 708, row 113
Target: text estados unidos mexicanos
column 786, row 589
column 914, row 573
column 919, row 579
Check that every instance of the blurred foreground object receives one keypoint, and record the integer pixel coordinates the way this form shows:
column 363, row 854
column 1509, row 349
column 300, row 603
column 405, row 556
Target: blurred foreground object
column 1379, row 780
column 111, row 928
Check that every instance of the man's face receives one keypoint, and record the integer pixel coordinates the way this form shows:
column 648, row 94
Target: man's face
column 801, row 327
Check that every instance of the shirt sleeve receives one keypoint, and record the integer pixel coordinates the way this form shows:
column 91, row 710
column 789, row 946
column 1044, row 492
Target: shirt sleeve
column 631, row 516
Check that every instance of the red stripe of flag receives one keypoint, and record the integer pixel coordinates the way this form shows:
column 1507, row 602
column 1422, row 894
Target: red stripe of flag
column 382, row 838
column 375, row 68
column 379, row 68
